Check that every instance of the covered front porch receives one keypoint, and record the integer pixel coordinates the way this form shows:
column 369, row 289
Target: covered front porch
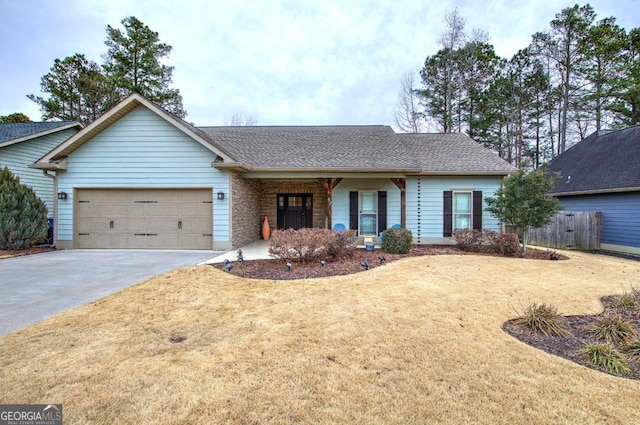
column 367, row 204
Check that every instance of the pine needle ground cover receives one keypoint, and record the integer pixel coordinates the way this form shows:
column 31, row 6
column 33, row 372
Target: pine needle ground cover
column 418, row 340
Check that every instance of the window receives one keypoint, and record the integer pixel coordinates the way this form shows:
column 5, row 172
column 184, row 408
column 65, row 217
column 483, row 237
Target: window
column 462, row 210
column 368, row 216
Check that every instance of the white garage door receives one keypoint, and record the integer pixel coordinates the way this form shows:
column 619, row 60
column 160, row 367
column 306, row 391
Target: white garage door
column 144, row 218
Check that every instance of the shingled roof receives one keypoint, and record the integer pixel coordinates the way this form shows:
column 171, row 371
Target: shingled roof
column 357, row 148
column 344, row 149
column 602, row 162
column 312, row 147
column 14, row 131
column 452, row 153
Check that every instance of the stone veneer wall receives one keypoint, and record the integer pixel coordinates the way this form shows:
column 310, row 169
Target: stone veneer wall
column 270, row 189
column 246, row 218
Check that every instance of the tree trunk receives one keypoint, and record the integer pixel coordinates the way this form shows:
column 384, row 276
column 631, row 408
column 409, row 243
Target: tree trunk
column 524, row 242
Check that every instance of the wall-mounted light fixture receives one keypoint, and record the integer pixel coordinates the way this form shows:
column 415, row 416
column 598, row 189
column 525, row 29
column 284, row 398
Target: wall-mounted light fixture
column 221, row 196
column 62, row 195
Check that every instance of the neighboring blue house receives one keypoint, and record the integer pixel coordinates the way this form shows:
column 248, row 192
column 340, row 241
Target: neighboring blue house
column 139, row 177
column 22, row 144
column 602, row 173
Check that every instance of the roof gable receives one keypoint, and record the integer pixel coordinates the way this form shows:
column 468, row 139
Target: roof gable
column 12, row 133
column 600, row 163
column 114, row 114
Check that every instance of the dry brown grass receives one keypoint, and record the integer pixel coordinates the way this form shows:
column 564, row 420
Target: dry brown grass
column 415, row 341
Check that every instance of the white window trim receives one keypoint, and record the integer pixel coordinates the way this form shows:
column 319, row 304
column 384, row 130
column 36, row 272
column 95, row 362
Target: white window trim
column 374, row 213
column 453, row 209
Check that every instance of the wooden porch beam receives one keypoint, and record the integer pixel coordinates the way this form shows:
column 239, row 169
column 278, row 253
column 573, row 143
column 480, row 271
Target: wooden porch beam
column 329, row 184
column 402, row 185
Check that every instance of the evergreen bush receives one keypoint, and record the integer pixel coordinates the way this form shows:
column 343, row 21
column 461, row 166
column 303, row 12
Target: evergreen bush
column 397, row 241
column 23, row 216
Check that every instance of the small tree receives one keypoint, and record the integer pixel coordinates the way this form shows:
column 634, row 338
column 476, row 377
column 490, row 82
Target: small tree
column 23, row 216
column 523, row 201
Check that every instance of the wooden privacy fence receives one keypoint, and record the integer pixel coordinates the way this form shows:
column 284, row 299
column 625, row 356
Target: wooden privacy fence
column 569, row 230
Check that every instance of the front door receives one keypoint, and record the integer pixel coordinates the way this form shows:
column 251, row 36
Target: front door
column 295, row 210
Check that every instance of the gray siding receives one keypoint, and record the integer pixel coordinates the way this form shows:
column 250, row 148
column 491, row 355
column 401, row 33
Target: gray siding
column 425, row 202
column 142, row 150
column 18, row 156
column 620, row 215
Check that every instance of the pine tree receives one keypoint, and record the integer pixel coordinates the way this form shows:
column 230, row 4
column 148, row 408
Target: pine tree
column 132, row 65
column 23, row 216
column 77, row 90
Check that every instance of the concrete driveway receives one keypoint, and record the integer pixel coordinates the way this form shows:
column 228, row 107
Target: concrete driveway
column 35, row 287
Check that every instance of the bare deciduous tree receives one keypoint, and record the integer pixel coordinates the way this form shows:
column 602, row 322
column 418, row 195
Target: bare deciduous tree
column 239, row 120
column 406, row 114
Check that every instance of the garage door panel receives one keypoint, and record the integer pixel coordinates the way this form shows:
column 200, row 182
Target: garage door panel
column 147, row 218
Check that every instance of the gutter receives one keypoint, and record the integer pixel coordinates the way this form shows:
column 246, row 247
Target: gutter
column 50, row 166
column 597, row 191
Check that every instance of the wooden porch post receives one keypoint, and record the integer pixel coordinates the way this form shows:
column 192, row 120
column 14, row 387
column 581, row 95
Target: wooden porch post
column 329, row 184
column 402, row 185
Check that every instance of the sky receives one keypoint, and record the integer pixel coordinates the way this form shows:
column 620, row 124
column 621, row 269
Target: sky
column 281, row 62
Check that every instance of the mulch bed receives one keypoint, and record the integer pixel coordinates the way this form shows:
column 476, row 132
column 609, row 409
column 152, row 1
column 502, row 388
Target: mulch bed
column 569, row 347
column 4, row 253
column 277, row 270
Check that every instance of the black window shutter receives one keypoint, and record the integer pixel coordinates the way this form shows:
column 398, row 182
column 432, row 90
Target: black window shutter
column 382, row 211
column 447, row 213
column 477, row 210
column 353, row 210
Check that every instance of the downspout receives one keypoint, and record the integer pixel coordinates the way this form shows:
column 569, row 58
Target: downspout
column 55, row 205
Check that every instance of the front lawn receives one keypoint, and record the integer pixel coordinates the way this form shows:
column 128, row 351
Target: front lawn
column 418, row 340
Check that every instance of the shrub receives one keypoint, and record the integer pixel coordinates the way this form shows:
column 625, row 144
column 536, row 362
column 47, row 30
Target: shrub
column 633, row 349
column 487, row 241
column 606, row 357
column 629, row 301
column 612, row 329
column 308, row 245
column 23, row 216
column 543, row 318
column 397, row 241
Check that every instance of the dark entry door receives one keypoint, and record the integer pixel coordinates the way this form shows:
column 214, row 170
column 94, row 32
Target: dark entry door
column 295, row 210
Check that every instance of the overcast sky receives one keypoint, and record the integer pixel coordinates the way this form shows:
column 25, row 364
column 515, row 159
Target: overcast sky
column 281, row 62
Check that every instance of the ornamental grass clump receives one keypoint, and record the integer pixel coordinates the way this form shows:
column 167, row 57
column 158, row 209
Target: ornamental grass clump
column 544, row 319
column 629, row 301
column 605, row 356
column 633, row 349
column 612, row 329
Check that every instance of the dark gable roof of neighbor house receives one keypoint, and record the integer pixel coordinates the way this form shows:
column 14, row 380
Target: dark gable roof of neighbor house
column 13, row 131
column 605, row 162
column 357, row 148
